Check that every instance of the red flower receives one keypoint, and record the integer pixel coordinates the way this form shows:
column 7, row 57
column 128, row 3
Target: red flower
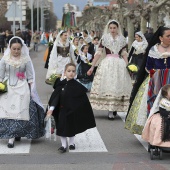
column 152, row 72
column 20, row 75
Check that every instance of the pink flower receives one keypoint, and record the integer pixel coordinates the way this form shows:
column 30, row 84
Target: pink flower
column 20, row 75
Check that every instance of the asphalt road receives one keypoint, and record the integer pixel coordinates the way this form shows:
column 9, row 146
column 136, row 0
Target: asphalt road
column 111, row 146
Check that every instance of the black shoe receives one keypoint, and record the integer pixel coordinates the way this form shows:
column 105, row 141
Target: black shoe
column 62, row 149
column 10, row 145
column 111, row 118
column 114, row 113
column 72, row 147
column 17, row 139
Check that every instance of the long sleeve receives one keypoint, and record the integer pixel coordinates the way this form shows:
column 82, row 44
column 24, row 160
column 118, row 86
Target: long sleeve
column 73, row 57
column 150, row 63
column 130, row 53
column 2, row 70
column 54, row 100
column 29, row 72
column 78, row 59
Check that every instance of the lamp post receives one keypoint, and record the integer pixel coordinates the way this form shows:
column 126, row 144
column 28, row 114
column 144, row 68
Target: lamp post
column 38, row 4
column 42, row 15
column 32, row 17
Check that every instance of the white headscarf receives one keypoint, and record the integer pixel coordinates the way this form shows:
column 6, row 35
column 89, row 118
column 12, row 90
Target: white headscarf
column 53, row 62
column 155, row 107
column 106, row 29
column 143, row 44
column 25, row 53
column 114, row 45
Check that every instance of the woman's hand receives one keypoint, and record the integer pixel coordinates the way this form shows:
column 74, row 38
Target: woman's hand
column 90, row 71
column 49, row 113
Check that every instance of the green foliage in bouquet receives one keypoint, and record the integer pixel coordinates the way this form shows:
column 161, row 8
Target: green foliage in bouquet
column 52, row 79
column 50, row 44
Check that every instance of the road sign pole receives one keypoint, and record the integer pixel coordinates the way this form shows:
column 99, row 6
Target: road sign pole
column 20, row 4
column 14, row 18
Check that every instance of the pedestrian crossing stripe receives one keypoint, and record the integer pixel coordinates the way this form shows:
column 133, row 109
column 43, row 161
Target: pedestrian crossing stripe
column 88, row 141
column 22, row 147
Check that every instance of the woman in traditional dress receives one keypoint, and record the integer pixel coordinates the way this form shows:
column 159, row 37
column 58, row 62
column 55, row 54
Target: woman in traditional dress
column 157, row 63
column 20, row 114
column 87, row 39
column 61, row 54
column 84, row 60
column 81, row 42
column 75, row 45
column 112, row 85
column 137, row 50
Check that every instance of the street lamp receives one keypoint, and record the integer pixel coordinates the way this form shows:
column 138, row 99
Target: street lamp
column 32, row 17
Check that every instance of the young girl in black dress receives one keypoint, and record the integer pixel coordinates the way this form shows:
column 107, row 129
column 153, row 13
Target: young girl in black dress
column 71, row 109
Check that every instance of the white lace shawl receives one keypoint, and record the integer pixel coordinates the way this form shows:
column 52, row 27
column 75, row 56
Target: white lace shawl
column 25, row 54
column 114, row 45
column 140, row 47
column 83, row 57
column 52, row 65
column 154, row 53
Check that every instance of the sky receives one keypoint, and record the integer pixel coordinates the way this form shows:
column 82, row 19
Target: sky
column 58, row 6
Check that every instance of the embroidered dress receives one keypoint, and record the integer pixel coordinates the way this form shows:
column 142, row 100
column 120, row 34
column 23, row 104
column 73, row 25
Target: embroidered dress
column 60, row 56
column 136, row 118
column 112, row 84
column 161, row 63
column 138, row 112
column 21, row 112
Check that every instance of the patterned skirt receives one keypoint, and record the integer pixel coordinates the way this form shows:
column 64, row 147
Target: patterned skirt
column 159, row 79
column 111, row 87
column 32, row 129
column 137, row 117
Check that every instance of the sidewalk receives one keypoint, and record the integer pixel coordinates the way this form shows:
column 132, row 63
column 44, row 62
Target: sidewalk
column 30, row 48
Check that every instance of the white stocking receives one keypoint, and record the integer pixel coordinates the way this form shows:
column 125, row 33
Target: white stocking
column 11, row 141
column 63, row 141
column 110, row 114
column 71, row 140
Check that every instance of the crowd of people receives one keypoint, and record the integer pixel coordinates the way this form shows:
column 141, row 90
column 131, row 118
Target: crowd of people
column 78, row 62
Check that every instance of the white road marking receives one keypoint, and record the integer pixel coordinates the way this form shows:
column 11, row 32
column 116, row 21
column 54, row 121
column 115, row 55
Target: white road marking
column 22, row 147
column 145, row 144
column 89, row 141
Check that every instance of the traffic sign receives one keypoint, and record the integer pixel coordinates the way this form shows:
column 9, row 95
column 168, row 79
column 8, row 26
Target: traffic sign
column 14, row 11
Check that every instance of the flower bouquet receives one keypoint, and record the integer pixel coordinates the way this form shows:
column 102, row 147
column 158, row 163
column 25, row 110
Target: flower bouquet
column 3, row 87
column 50, row 44
column 132, row 68
column 52, row 79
